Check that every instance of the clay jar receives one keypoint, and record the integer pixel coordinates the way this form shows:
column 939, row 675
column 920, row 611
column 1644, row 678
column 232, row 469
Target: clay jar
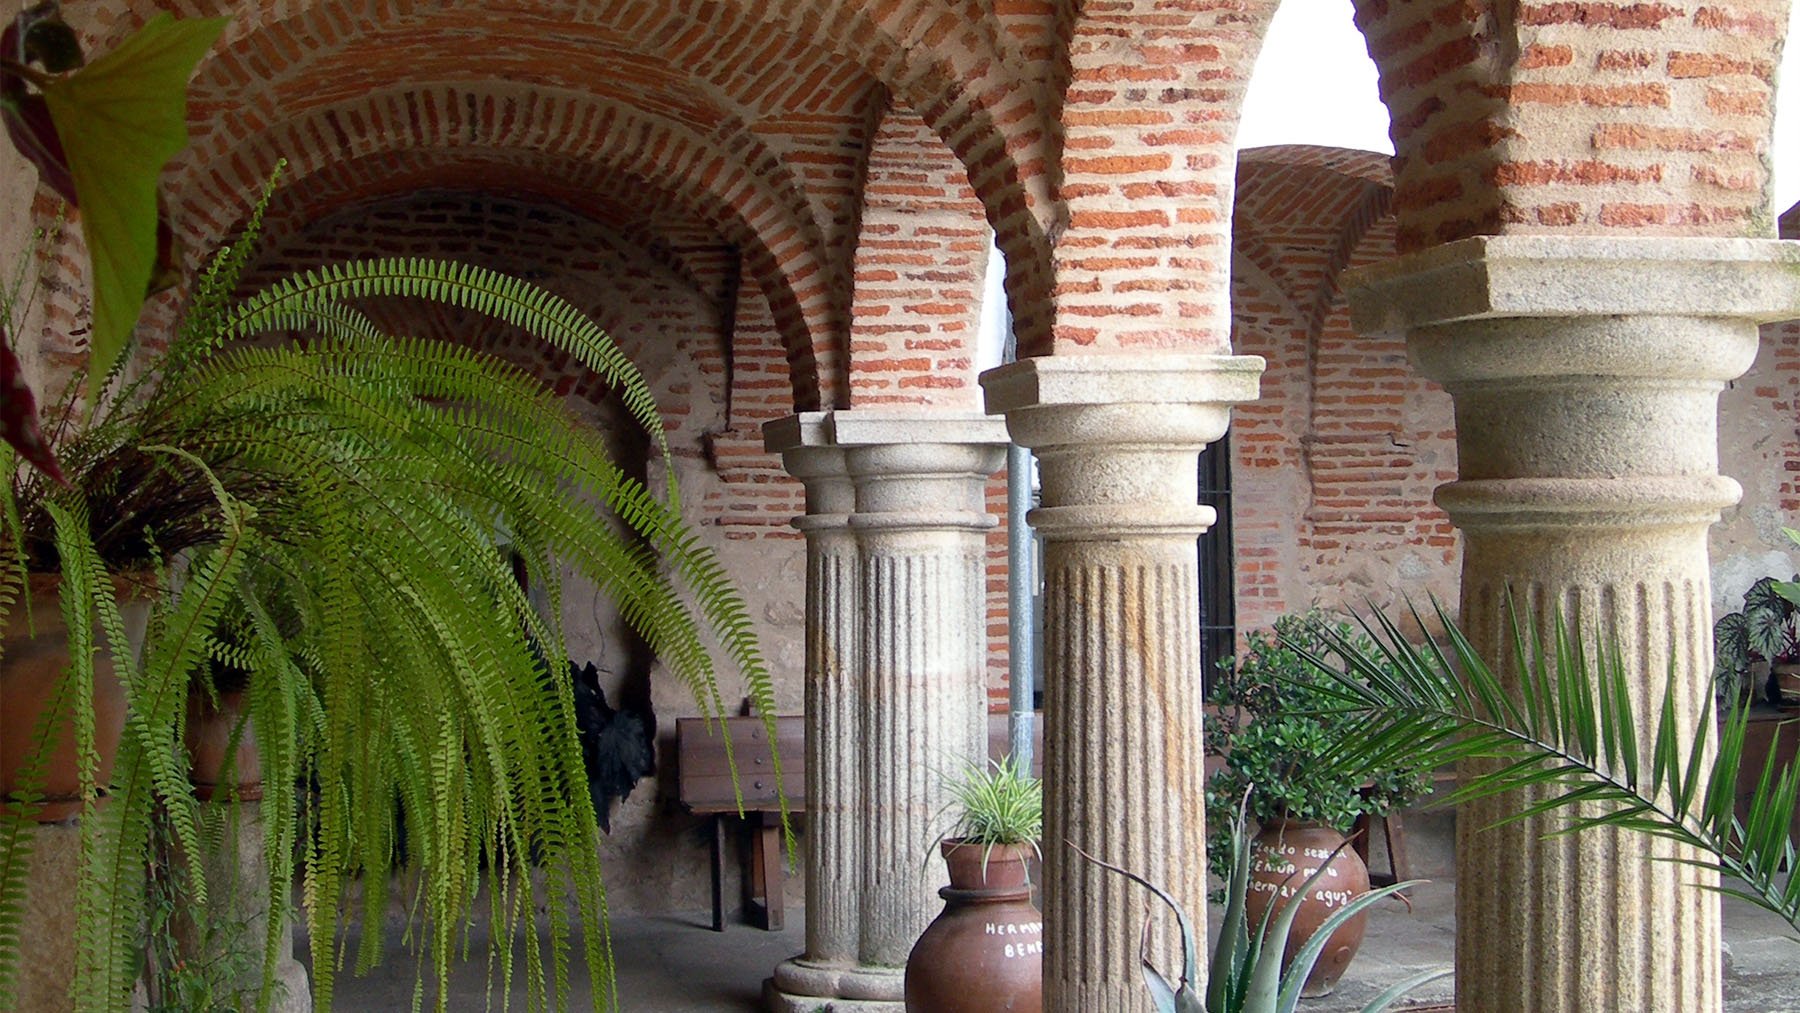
column 220, row 771
column 32, row 668
column 985, row 952
column 1282, row 856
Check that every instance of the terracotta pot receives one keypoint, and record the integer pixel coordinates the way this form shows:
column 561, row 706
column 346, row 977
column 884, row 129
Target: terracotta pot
column 34, row 658
column 209, row 731
column 1786, row 677
column 1282, row 856
column 985, row 952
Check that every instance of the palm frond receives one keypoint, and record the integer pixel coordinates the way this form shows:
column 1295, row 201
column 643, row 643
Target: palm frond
column 1566, row 725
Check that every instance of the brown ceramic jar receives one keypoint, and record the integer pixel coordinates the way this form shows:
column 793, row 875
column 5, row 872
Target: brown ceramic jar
column 1282, row 856
column 984, row 953
column 220, row 771
column 36, row 658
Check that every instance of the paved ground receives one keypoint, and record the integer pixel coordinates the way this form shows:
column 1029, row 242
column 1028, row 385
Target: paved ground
column 678, row 965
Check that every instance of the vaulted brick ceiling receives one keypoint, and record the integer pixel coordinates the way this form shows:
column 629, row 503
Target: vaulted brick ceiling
column 1304, row 214
column 744, row 120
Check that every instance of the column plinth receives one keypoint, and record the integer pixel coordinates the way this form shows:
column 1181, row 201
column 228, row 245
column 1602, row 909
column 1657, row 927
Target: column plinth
column 1117, row 439
column 896, row 702
column 1586, row 375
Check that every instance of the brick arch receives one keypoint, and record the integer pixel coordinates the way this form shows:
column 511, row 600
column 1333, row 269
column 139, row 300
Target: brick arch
column 1541, row 117
column 668, row 327
column 656, row 224
column 1331, row 196
column 969, row 71
column 1150, row 119
column 719, row 186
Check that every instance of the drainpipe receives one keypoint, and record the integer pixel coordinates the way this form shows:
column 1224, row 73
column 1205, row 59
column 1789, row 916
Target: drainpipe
column 1021, row 597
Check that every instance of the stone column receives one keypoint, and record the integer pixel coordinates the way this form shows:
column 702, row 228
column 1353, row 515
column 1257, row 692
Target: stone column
column 1586, row 374
column 1117, row 440
column 910, row 706
column 833, row 796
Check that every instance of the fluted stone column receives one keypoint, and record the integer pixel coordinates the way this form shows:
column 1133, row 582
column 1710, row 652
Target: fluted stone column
column 1586, row 374
column 833, row 718
column 895, row 688
column 1117, row 441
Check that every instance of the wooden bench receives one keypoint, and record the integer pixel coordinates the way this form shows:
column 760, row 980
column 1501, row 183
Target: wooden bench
column 704, row 787
column 1393, row 828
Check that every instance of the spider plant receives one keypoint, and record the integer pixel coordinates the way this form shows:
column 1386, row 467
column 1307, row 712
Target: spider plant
column 1565, row 723
column 995, row 806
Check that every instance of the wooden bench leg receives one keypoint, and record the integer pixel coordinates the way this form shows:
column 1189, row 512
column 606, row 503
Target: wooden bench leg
column 769, row 873
column 1396, row 844
column 763, row 875
column 718, row 873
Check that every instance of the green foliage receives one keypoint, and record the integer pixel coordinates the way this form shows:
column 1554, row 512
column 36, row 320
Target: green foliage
column 1559, row 721
column 1001, row 804
column 326, row 517
column 1275, row 723
column 1245, row 973
column 1766, row 629
column 120, row 119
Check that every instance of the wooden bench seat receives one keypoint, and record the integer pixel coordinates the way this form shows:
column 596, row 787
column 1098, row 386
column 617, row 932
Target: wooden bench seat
column 704, row 787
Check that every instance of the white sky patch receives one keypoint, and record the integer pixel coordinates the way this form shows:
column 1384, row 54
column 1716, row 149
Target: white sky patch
column 1315, row 84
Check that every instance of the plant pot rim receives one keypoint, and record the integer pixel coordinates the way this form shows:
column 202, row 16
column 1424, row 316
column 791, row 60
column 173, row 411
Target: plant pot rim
column 998, row 851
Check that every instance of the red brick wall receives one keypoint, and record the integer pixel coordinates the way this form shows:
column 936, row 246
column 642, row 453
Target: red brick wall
column 919, row 267
column 1149, row 118
column 1566, row 115
column 1334, row 467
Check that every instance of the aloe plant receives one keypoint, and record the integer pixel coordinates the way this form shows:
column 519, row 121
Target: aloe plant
column 1245, row 973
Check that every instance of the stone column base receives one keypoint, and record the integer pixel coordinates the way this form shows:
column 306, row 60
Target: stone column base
column 803, row 986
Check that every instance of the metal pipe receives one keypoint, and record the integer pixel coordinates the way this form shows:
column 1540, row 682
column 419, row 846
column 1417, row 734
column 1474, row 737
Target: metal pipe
column 1021, row 588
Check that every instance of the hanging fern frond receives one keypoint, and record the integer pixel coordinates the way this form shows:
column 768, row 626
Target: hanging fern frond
column 334, row 507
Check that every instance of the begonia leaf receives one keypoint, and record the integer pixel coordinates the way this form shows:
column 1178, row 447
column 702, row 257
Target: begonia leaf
column 120, row 119
column 18, row 416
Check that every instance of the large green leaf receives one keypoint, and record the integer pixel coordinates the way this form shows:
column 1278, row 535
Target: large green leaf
column 120, row 119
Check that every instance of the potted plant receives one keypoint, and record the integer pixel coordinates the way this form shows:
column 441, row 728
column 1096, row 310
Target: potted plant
column 1273, row 727
column 1260, row 962
column 1757, row 648
column 985, row 951
column 340, row 500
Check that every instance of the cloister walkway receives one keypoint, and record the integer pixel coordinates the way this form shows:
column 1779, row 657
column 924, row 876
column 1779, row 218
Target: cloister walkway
column 676, row 964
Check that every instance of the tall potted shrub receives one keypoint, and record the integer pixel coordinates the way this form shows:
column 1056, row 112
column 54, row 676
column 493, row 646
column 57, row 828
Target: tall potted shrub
column 341, row 501
column 1273, row 729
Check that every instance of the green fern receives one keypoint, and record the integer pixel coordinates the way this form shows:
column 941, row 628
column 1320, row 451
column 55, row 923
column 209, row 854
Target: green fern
column 335, row 505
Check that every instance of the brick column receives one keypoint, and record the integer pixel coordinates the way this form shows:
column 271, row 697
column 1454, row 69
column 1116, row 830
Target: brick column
column 1586, row 374
column 896, row 695
column 1117, row 440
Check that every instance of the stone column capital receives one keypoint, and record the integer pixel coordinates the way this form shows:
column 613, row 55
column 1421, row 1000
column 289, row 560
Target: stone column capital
column 1116, row 436
column 1495, row 277
column 1165, row 400
column 1585, row 369
column 888, row 470
column 810, row 455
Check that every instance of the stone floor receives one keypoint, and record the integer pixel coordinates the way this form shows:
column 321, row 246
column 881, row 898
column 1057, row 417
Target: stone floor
column 678, row 965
